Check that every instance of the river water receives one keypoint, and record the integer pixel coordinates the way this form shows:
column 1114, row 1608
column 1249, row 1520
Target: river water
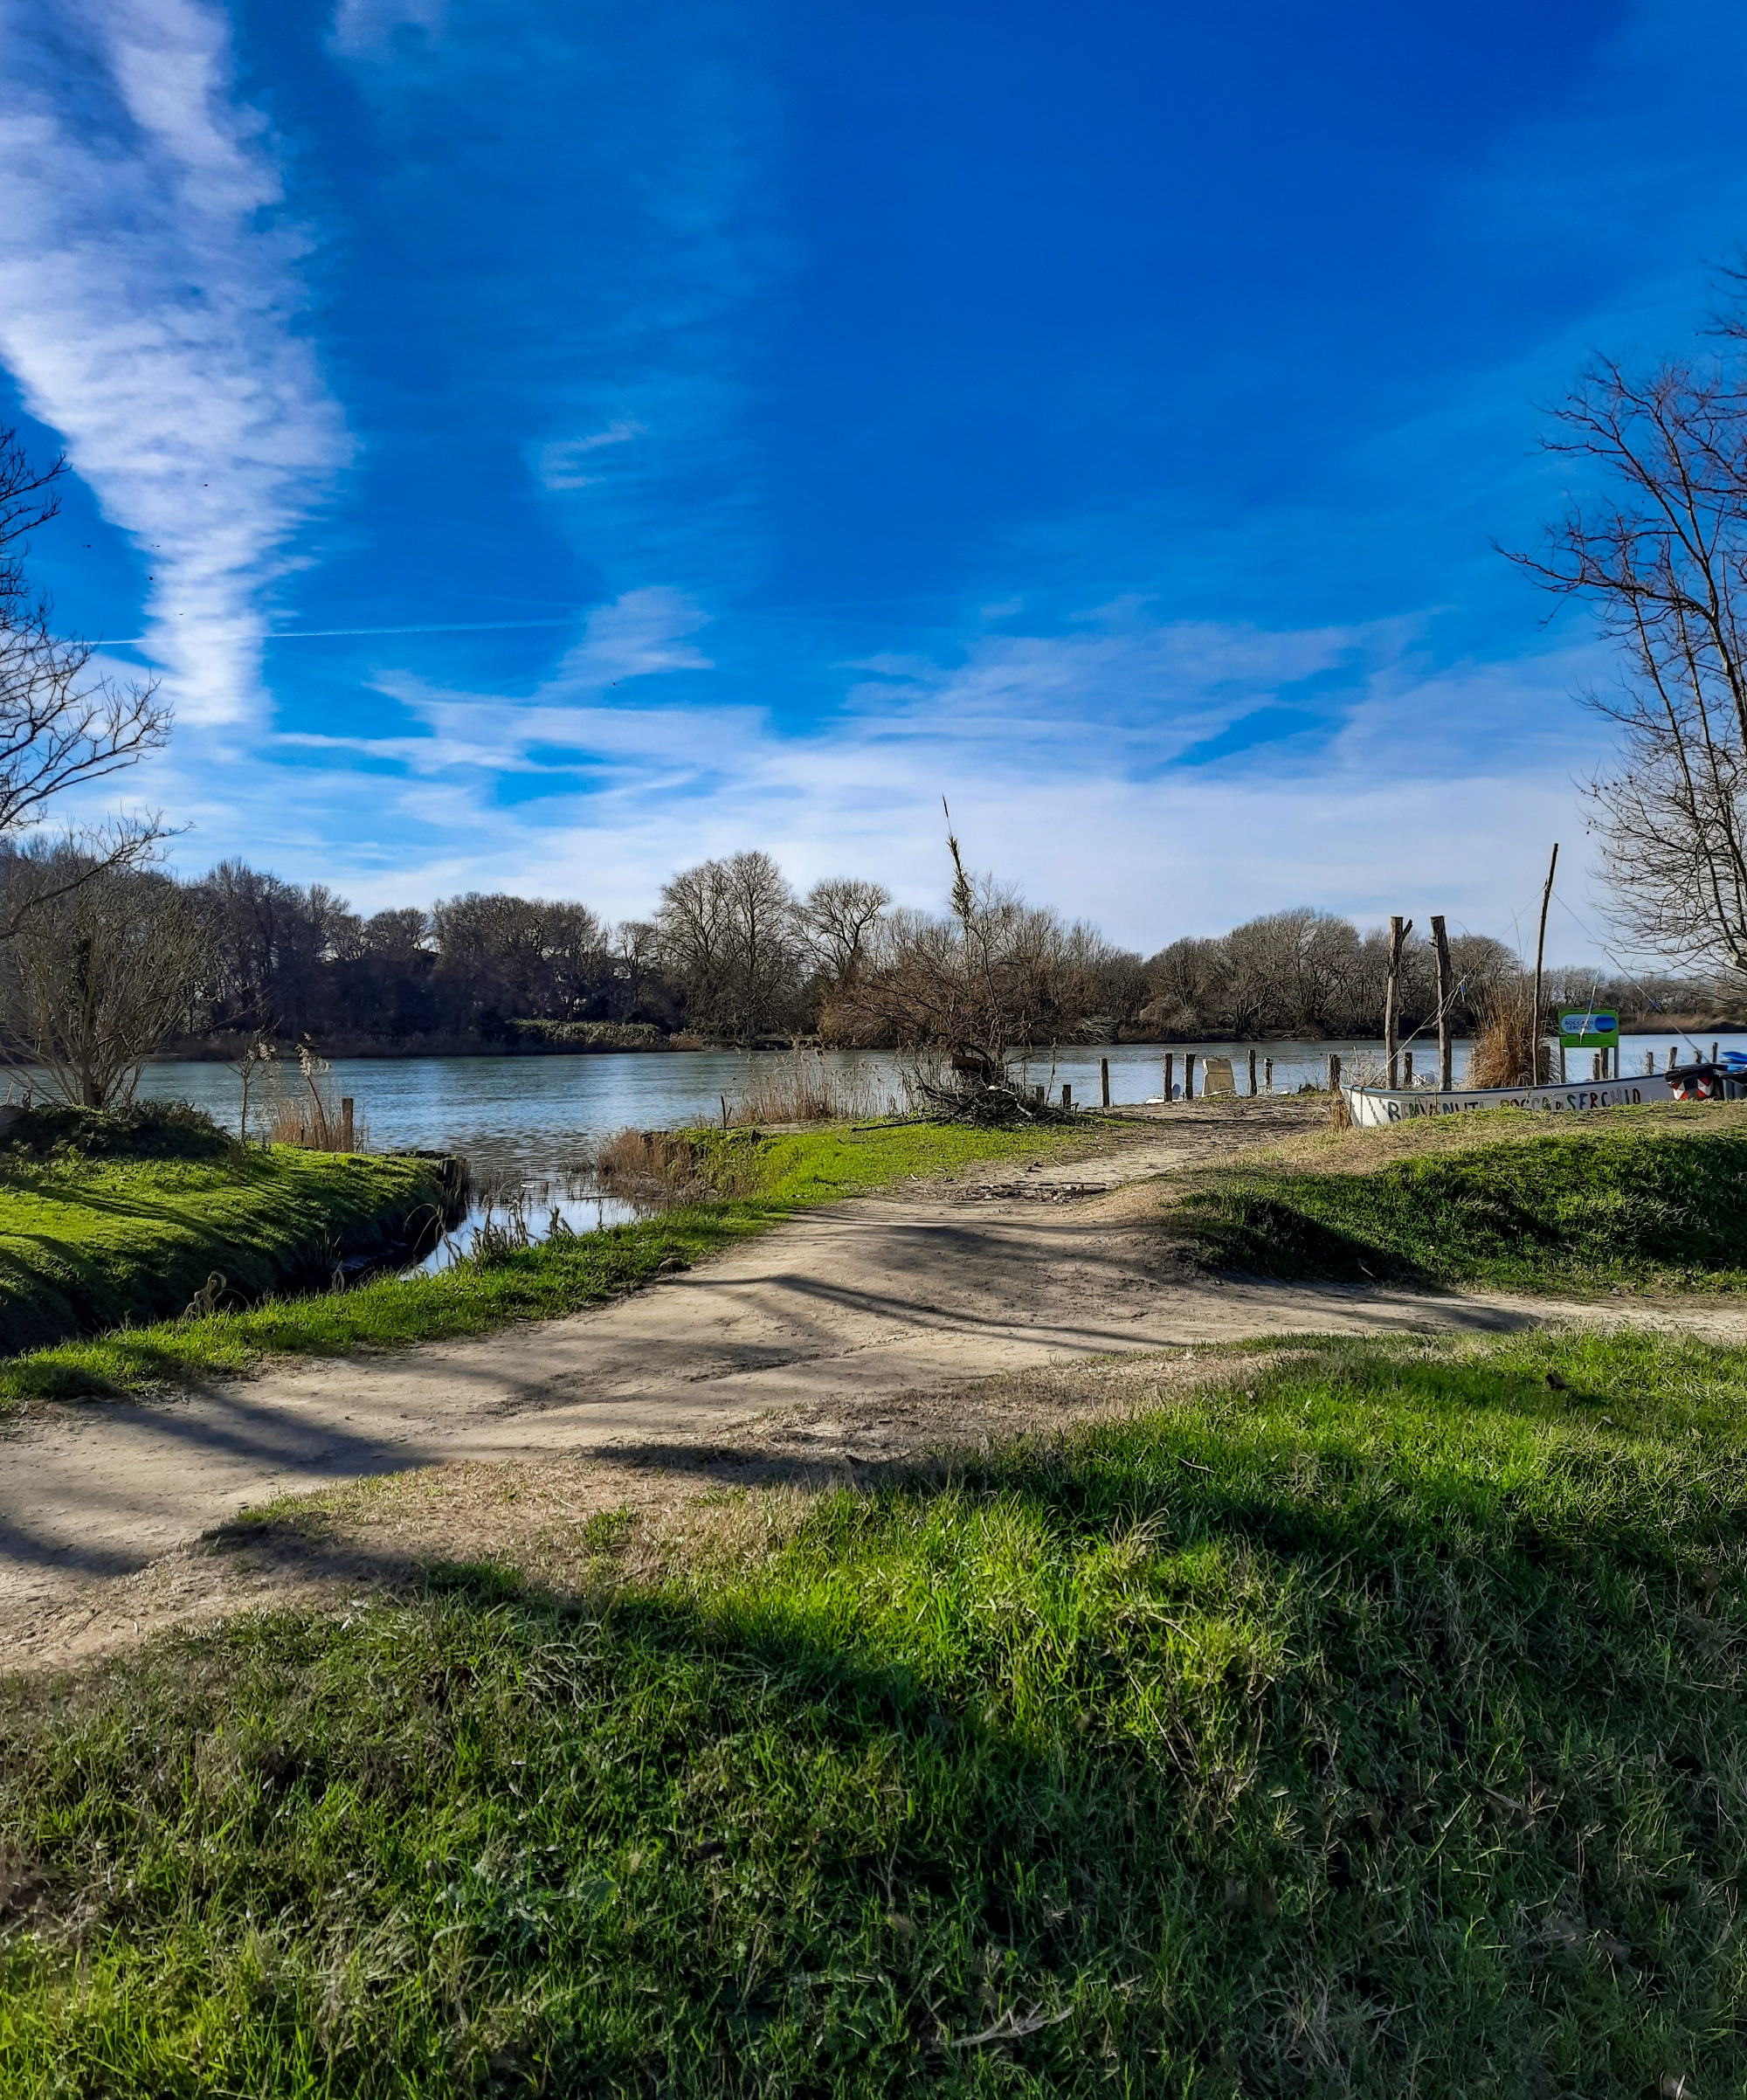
column 532, row 1119
column 531, row 1124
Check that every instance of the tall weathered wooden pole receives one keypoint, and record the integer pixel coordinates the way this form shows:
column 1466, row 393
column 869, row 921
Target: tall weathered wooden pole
column 1447, row 995
column 1398, row 930
column 1540, row 950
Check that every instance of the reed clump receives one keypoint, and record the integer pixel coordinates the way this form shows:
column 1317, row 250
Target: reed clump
column 803, row 1089
column 310, row 1114
column 653, row 1169
column 1508, row 1048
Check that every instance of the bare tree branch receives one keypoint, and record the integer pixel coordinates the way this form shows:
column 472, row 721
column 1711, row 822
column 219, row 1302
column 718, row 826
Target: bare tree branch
column 61, row 725
column 1662, row 555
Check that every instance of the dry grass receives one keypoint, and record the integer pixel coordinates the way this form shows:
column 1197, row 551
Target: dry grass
column 657, row 1169
column 1505, row 1051
column 310, row 1115
column 803, row 1089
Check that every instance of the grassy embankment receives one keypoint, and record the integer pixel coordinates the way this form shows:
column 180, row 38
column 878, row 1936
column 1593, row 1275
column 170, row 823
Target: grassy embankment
column 770, row 1178
column 1371, row 1723
column 1651, row 1199
column 107, row 1221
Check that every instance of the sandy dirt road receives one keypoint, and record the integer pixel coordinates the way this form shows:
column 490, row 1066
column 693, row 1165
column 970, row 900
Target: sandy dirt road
column 847, row 1308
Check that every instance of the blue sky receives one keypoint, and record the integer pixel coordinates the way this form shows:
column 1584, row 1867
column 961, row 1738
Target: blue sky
column 540, row 445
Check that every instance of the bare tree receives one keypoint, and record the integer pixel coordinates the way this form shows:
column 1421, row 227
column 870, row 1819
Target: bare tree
column 838, row 922
column 102, row 969
column 970, row 995
column 727, row 930
column 1662, row 554
column 61, row 725
column 835, row 919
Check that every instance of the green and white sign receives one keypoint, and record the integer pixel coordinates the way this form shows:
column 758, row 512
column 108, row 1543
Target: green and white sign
column 1589, row 1032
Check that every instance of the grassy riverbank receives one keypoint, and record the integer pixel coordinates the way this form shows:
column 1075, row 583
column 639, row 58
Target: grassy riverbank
column 1368, row 1723
column 122, row 1220
column 772, row 1176
column 1651, row 1199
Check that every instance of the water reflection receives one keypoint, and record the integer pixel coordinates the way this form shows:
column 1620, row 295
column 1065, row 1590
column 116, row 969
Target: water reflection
column 508, row 1216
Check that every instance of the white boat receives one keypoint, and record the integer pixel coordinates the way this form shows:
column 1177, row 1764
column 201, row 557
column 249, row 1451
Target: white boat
column 1372, row 1107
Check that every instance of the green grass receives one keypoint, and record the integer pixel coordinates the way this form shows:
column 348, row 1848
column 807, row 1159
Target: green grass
column 774, row 1175
column 1373, row 1724
column 1636, row 1199
column 845, row 1159
column 112, row 1219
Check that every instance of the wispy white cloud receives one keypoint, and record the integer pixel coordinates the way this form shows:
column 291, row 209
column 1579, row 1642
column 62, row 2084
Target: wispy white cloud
column 1058, row 753
column 371, row 28
column 149, row 310
column 558, row 460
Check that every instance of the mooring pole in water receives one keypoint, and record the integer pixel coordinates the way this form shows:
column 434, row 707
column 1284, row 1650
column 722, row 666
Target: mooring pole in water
column 1104, row 1078
column 724, row 1111
column 1268, row 1074
column 1253, row 1072
column 1067, row 1095
column 1188, row 1075
column 345, row 1122
column 1169, row 1077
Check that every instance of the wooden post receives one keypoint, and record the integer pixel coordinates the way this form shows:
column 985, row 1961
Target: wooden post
column 1067, row 1095
column 1398, row 930
column 1649, row 1060
column 1446, row 999
column 724, row 1111
column 1540, row 949
column 1188, row 1075
column 1713, row 1054
column 1407, row 1069
column 1104, row 1078
column 1595, row 1073
column 1169, row 1077
column 345, row 1122
column 1252, row 1074
column 1334, row 1074
column 1268, row 1074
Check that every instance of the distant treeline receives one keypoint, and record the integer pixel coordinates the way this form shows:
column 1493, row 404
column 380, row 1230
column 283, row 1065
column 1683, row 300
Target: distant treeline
column 733, row 955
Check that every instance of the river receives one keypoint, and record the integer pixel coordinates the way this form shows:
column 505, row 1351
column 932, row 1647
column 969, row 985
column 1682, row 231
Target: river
column 532, row 1119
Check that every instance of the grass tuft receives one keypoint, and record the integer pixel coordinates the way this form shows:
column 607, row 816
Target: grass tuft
column 1636, row 1199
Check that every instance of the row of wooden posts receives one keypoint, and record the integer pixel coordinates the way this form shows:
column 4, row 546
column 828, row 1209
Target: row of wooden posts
column 1190, row 1060
column 1602, row 1070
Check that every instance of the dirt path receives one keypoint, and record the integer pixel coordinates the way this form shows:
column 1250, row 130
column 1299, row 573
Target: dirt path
column 850, row 1308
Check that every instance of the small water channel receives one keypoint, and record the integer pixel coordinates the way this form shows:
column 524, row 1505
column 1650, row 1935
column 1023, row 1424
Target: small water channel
column 568, row 1204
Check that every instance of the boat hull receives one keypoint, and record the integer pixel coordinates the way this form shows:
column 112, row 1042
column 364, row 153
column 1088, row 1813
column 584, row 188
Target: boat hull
column 1372, row 1106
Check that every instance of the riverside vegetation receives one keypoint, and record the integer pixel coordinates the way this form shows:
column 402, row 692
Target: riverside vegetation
column 1645, row 1198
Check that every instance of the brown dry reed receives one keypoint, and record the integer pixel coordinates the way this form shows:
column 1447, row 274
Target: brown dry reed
column 803, row 1089
column 654, row 1167
column 1505, row 1042
column 309, row 1113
